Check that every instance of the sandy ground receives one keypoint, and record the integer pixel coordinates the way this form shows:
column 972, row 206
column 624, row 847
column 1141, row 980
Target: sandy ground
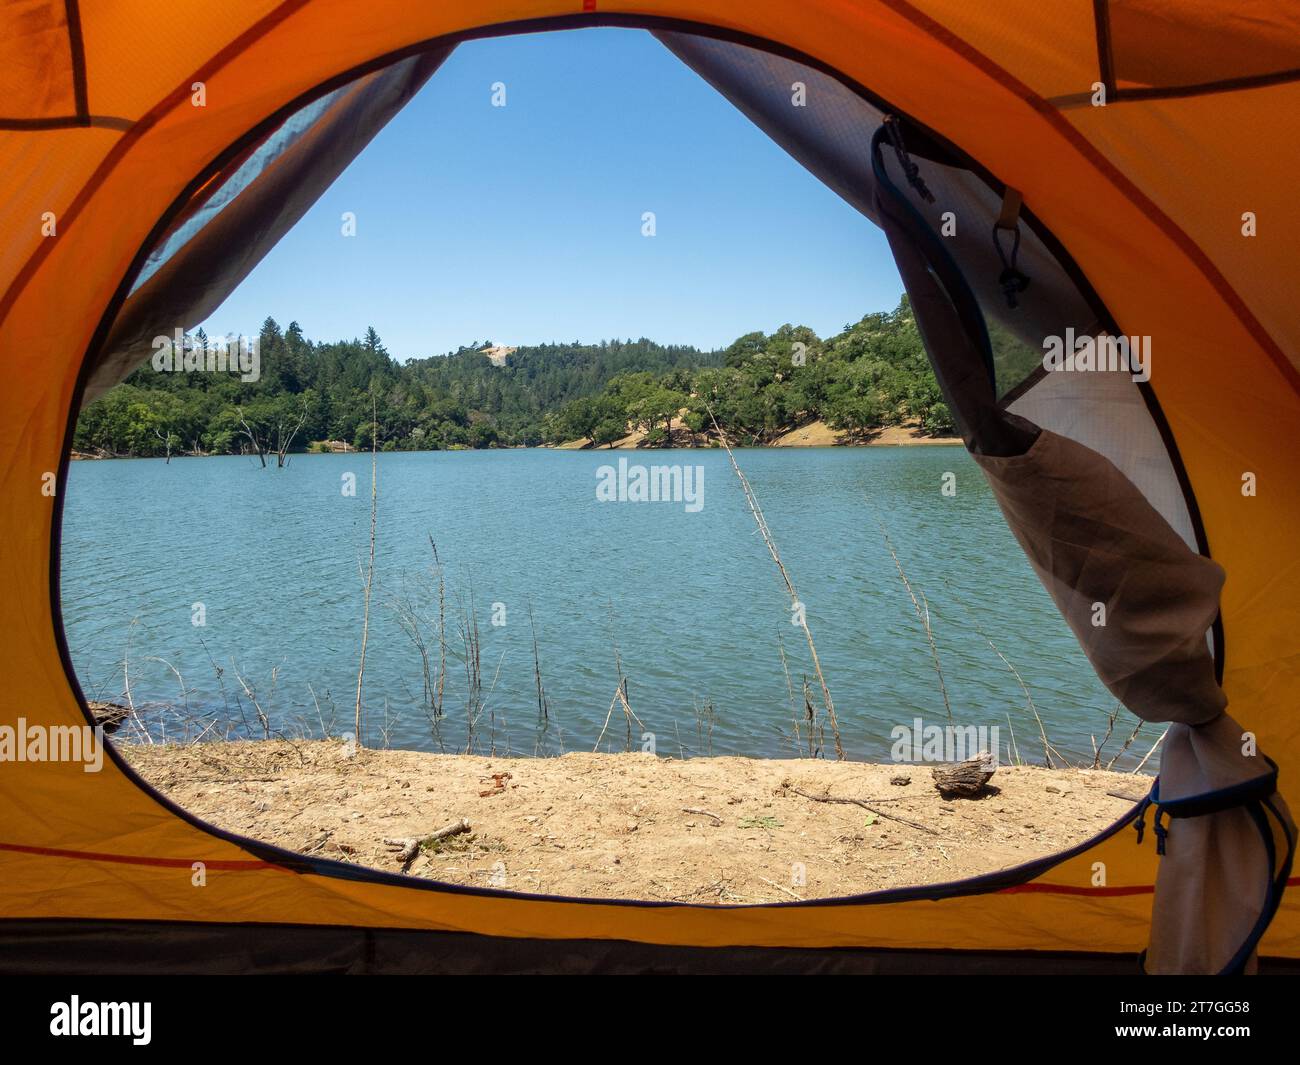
column 633, row 826
column 814, row 434
column 819, row 434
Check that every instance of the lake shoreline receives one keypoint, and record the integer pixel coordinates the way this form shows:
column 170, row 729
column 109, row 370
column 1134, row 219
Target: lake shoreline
column 780, row 445
column 812, row 435
column 707, row 830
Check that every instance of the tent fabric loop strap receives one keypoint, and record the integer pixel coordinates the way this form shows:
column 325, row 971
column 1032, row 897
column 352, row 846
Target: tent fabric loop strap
column 1009, row 215
column 1012, row 280
column 1255, row 790
column 1162, row 833
column 1140, row 825
column 1281, row 872
column 910, row 170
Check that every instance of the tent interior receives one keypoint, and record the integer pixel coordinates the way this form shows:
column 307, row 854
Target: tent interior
column 1097, row 474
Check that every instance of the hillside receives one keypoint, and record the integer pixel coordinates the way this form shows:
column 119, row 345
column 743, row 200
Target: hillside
column 871, row 376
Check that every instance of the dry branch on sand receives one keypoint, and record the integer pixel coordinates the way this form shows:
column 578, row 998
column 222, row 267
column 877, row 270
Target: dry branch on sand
column 866, row 806
column 409, row 847
column 702, row 812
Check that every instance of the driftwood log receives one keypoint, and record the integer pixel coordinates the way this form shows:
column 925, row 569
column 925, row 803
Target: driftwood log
column 966, row 779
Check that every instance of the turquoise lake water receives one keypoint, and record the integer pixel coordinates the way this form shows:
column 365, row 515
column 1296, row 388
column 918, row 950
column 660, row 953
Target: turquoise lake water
column 688, row 600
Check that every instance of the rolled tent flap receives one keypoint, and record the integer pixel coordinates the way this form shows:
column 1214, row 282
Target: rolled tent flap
column 1227, row 851
column 1141, row 603
column 1137, row 598
column 240, row 215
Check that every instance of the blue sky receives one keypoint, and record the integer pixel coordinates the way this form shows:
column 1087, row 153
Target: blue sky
column 522, row 224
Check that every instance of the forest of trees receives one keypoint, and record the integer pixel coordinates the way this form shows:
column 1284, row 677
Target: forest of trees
column 871, row 375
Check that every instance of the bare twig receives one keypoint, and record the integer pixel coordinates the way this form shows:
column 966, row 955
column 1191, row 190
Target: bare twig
column 1149, row 753
column 781, row 887
column 866, row 806
column 1127, row 743
column 1097, row 748
column 702, row 813
column 1126, row 798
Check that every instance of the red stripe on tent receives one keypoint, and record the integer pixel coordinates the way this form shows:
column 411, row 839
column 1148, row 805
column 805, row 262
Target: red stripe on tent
column 1103, row 892
column 241, row 864
column 1064, row 889
column 232, row 865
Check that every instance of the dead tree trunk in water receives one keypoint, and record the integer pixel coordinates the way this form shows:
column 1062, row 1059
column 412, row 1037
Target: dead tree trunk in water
column 258, row 445
column 167, row 441
column 283, row 442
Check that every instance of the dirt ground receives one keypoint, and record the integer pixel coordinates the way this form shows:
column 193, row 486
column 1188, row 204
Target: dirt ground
column 814, row 434
column 633, row 826
column 819, row 434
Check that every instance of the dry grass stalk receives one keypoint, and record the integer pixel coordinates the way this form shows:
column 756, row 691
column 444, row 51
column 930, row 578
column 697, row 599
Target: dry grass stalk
column 796, row 739
column 706, row 718
column 263, row 716
column 922, row 613
column 1013, row 749
column 1127, row 743
column 370, row 571
column 1048, row 749
column 543, row 705
column 472, row 642
column 795, row 603
column 442, row 633
column 816, row 733
column 126, row 682
column 1097, row 748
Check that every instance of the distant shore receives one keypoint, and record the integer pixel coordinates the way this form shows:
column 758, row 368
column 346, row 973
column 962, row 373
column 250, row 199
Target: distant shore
column 815, row 434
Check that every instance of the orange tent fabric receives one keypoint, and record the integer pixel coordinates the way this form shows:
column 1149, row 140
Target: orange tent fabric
column 1175, row 197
